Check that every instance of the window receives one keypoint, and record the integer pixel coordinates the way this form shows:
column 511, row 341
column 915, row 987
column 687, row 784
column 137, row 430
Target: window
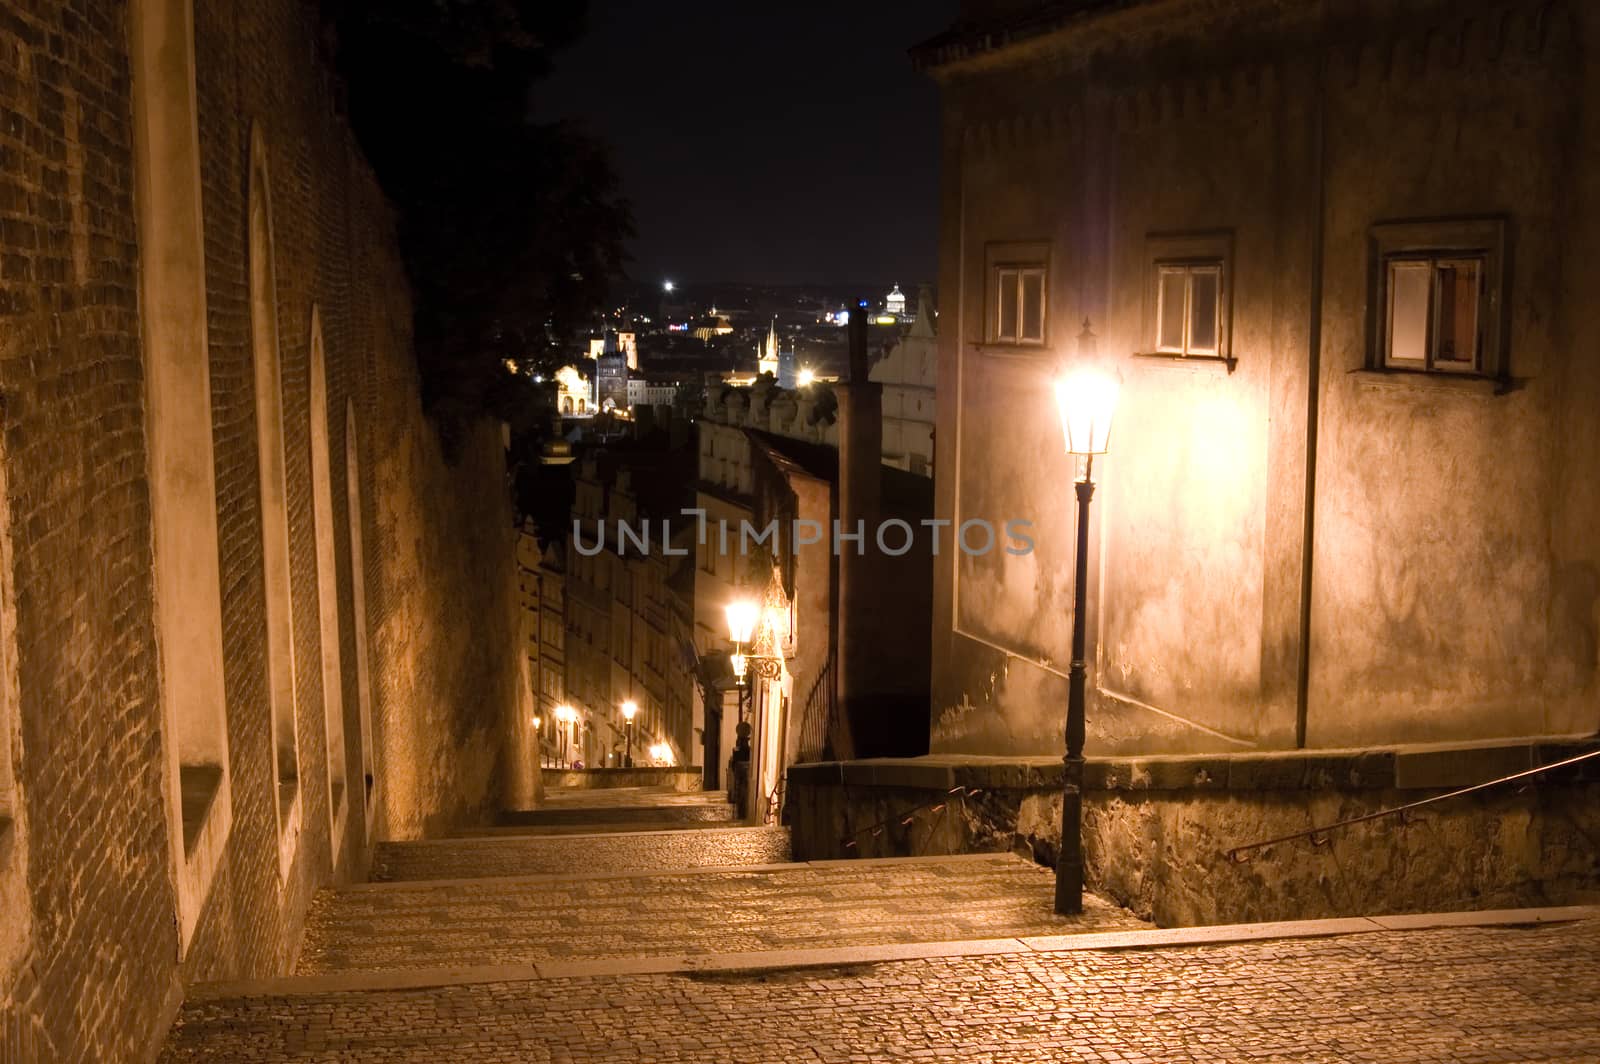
column 1019, row 304
column 1439, row 289
column 1188, row 297
column 1017, row 293
column 1188, row 309
column 1433, row 321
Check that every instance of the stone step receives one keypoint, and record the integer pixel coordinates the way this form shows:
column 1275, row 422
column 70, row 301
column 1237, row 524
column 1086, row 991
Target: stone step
column 564, row 854
column 438, row 924
column 579, row 816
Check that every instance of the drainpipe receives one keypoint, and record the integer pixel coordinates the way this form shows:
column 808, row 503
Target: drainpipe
column 860, row 485
column 1319, row 196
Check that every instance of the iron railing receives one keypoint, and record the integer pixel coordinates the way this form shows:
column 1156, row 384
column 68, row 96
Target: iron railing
column 1319, row 835
column 818, row 718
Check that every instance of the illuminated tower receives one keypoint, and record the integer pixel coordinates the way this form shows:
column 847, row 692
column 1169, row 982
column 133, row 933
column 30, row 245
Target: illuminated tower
column 767, row 358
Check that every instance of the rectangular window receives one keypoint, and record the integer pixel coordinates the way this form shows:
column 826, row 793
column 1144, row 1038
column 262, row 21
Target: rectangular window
column 1189, row 309
column 1187, row 301
column 1019, row 304
column 1438, row 290
column 1433, row 319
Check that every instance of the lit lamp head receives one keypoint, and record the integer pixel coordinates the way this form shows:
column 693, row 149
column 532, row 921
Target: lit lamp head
column 1087, row 400
column 737, row 662
column 629, row 708
column 806, row 378
column 566, row 714
column 537, row 721
column 742, row 616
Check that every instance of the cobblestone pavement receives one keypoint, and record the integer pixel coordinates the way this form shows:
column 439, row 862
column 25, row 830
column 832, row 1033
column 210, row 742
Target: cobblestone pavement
column 554, row 853
column 509, row 921
column 1468, row 995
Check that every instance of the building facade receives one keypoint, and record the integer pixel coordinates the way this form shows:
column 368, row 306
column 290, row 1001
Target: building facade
column 909, row 372
column 232, row 554
column 542, row 584
column 624, row 625
column 1336, row 253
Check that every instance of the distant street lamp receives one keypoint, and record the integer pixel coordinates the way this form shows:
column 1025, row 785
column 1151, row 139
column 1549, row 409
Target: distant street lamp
column 538, row 741
column 807, row 378
column 742, row 615
column 629, row 708
column 1087, row 401
column 566, row 716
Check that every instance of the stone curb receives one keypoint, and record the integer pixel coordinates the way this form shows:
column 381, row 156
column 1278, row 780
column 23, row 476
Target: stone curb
column 691, row 964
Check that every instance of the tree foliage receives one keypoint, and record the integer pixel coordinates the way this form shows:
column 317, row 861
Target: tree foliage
column 512, row 230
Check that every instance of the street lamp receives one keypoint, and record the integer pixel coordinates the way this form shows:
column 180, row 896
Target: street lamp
column 538, row 741
column 629, row 708
column 1087, row 400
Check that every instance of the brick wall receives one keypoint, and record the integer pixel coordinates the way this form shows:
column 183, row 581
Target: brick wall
column 96, row 973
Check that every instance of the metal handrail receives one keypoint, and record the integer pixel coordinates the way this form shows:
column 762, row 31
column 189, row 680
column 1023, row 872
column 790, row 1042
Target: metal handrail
column 817, row 718
column 1400, row 810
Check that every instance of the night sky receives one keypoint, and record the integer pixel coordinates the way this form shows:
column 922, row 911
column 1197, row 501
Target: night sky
column 781, row 143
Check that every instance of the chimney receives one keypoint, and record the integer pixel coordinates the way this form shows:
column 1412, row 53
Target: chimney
column 860, row 416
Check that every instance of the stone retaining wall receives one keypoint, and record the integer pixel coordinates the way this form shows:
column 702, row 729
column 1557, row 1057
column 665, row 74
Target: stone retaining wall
column 1156, row 830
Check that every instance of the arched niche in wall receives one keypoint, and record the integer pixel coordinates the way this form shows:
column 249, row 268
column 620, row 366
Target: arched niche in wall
column 358, row 609
column 279, row 598
column 327, row 588
column 182, row 467
column 17, row 925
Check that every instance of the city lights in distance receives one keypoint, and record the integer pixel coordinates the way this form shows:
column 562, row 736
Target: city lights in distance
column 667, row 286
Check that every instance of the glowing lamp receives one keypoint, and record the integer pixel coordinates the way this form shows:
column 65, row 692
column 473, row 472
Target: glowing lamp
column 737, row 661
column 629, row 708
column 806, row 378
column 1087, row 400
column 742, row 616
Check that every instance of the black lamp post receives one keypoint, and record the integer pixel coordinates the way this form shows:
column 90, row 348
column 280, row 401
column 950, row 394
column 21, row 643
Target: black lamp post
column 1087, row 401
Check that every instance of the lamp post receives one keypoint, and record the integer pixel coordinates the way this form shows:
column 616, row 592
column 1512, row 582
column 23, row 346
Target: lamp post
column 1087, row 401
column 538, row 742
column 629, row 708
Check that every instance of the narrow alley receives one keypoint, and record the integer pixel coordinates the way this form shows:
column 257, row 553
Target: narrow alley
column 688, row 937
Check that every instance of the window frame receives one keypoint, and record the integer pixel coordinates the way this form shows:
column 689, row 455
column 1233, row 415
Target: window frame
column 1481, row 240
column 1022, row 260
column 1191, row 254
